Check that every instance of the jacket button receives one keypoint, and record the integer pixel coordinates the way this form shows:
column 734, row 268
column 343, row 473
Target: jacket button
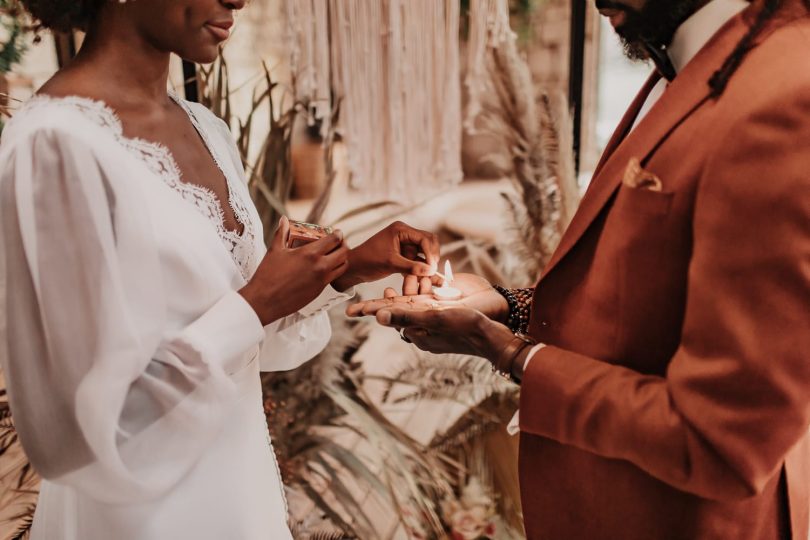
column 543, row 323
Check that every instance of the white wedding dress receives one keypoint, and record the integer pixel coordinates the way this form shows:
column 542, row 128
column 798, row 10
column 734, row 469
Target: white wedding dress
column 131, row 361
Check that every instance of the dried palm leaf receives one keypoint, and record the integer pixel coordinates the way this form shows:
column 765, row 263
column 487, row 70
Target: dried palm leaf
column 537, row 131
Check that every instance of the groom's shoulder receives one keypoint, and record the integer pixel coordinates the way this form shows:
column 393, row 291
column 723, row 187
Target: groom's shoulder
column 774, row 74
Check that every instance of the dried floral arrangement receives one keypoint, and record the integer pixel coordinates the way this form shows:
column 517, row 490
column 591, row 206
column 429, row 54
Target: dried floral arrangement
column 13, row 30
column 12, row 34
column 18, row 482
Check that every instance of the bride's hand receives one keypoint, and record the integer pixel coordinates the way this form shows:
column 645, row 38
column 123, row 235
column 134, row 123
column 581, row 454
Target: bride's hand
column 477, row 293
column 289, row 279
column 394, row 250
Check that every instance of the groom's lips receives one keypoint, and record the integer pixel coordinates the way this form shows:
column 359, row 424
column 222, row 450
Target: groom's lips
column 221, row 30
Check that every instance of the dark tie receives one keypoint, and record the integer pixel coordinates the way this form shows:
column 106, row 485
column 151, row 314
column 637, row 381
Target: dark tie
column 662, row 62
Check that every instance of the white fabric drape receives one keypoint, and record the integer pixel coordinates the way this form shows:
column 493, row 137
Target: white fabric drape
column 122, row 330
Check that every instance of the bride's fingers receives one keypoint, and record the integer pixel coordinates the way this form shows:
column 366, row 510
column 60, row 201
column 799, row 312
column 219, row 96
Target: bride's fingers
column 282, row 236
column 355, row 310
column 390, row 293
column 425, row 285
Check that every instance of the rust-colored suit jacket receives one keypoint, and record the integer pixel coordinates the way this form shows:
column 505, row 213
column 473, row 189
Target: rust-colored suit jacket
column 673, row 400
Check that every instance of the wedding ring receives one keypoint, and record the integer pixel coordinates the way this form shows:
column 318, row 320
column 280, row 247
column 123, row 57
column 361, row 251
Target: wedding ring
column 403, row 336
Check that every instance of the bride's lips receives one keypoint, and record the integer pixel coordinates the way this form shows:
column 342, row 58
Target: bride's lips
column 221, row 30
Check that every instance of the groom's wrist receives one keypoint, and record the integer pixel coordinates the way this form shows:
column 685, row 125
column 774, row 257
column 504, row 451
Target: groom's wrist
column 495, row 337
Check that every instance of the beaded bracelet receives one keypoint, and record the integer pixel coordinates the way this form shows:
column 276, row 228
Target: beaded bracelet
column 520, row 308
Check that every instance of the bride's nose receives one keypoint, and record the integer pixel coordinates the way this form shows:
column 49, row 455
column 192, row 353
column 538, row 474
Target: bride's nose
column 235, row 4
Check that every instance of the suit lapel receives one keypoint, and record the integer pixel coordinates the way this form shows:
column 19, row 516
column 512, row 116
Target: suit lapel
column 627, row 121
column 684, row 95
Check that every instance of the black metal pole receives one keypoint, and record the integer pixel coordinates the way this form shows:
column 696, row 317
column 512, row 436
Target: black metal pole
column 576, row 72
column 190, row 81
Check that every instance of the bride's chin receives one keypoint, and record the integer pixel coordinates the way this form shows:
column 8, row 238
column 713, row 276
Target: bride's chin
column 202, row 55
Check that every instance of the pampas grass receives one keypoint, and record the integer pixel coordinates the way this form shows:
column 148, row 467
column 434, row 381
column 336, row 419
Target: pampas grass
column 537, row 130
column 18, row 480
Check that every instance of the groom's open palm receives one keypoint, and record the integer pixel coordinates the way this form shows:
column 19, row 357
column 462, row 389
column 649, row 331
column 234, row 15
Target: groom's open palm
column 477, row 294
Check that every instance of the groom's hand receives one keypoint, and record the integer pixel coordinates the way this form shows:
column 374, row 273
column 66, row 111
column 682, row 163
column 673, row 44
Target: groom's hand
column 478, row 294
column 444, row 330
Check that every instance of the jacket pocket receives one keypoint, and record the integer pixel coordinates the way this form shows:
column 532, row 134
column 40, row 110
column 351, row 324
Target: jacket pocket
column 640, row 201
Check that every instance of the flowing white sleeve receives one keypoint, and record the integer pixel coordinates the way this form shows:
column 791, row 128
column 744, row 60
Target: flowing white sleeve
column 104, row 399
column 293, row 340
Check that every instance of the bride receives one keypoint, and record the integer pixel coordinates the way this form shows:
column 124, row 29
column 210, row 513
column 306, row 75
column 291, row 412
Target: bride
column 139, row 302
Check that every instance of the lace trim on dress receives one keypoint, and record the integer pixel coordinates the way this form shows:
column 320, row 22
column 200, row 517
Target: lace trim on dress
column 159, row 159
column 241, row 246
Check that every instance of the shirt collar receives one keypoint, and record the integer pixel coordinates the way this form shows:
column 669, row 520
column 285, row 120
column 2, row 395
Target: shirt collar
column 699, row 28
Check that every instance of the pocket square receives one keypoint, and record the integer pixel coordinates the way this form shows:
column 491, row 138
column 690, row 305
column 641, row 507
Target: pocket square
column 636, row 177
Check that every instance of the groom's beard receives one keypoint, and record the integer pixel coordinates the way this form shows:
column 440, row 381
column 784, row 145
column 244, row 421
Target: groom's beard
column 653, row 25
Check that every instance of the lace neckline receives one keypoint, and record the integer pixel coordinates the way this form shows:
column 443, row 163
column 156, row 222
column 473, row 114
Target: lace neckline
column 160, row 160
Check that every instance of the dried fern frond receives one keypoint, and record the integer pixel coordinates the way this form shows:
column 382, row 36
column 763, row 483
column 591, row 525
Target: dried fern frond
column 488, row 415
column 23, row 521
column 304, row 531
column 537, row 131
column 17, row 476
column 462, row 379
column 318, row 209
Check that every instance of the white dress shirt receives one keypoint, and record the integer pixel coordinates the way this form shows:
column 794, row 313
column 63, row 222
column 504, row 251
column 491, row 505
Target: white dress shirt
column 689, row 39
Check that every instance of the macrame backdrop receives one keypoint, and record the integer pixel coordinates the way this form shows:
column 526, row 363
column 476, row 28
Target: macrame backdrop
column 394, row 67
column 489, row 28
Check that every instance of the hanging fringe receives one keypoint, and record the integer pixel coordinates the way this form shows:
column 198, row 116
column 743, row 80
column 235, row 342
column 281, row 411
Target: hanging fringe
column 308, row 28
column 489, row 28
column 394, row 64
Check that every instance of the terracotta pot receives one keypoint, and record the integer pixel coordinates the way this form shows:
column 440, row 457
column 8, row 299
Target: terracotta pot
column 308, row 168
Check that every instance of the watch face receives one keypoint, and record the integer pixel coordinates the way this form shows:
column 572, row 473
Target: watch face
column 302, row 233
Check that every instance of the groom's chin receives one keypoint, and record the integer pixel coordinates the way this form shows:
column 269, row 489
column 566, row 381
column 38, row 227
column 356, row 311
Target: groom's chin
column 634, row 50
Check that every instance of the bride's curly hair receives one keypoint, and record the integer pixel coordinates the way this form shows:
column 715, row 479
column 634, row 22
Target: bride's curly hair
column 63, row 15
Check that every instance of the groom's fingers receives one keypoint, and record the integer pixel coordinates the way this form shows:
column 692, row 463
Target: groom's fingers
column 410, row 285
column 371, row 307
column 390, row 293
column 426, row 317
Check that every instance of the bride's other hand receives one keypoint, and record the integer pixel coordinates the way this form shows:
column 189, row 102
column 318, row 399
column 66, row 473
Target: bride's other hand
column 394, row 250
column 288, row 279
column 477, row 293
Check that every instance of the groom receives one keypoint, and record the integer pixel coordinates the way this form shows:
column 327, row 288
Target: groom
column 666, row 373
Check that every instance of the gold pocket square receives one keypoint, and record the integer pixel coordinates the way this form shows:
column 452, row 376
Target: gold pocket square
column 636, row 177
